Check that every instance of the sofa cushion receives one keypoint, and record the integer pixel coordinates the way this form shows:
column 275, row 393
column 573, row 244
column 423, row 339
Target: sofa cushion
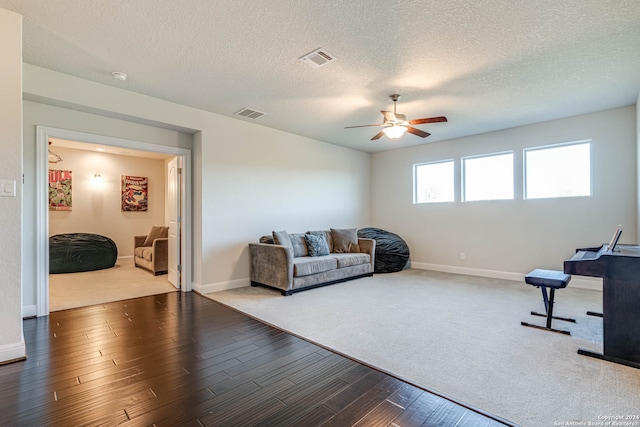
column 299, row 244
column 157, row 232
column 144, row 252
column 305, row 266
column 317, row 245
column 345, row 240
column 327, row 237
column 348, row 260
column 282, row 238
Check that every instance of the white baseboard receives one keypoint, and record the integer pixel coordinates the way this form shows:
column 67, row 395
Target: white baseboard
column 592, row 283
column 221, row 286
column 11, row 352
column 468, row 271
column 29, row 311
column 125, row 257
column 576, row 281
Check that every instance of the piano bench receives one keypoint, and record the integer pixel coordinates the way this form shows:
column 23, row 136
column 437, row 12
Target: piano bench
column 553, row 280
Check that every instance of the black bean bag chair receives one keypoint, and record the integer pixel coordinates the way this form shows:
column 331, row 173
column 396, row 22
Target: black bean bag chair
column 75, row 252
column 392, row 253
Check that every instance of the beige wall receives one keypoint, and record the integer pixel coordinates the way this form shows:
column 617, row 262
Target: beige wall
column 513, row 236
column 96, row 203
column 11, row 340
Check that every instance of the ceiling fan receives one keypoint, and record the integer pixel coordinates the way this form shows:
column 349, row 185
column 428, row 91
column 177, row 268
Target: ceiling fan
column 395, row 125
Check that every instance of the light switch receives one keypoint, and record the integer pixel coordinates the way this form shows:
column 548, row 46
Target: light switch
column 7, row 188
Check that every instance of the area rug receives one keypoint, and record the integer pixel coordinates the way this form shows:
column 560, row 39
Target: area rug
column 460, row 336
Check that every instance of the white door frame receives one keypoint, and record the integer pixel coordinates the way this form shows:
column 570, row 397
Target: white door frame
column 44, row 133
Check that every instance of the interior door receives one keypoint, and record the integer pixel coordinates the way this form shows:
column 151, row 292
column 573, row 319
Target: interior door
column 173, row 216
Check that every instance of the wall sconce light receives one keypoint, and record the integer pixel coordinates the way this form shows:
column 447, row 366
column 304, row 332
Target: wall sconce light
column 97, row 181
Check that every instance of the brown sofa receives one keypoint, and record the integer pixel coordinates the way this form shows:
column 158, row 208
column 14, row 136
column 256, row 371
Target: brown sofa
column 151, row 252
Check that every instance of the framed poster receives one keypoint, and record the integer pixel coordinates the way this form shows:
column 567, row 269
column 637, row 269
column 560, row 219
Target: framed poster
column 134, row 193
column 59, row 190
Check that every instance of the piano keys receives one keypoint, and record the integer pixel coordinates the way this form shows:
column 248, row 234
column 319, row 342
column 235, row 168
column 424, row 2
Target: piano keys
column 620, row 271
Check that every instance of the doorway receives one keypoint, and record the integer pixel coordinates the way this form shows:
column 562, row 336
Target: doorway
column 182, row 239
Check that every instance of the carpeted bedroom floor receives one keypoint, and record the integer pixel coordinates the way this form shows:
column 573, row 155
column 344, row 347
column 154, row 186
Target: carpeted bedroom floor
column 120, row 282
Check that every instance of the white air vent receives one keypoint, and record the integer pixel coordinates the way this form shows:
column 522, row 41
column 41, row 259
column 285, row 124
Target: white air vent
column 249, row 113
column 317, row 58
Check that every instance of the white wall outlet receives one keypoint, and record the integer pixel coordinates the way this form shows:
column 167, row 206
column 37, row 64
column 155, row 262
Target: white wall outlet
column 463, row 256
column 7, row 188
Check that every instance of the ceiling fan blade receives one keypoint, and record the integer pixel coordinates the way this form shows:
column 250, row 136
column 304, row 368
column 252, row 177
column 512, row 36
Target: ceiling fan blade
column 417, row 132
column 428, row 120
column 378, row 136
column 389, row 116
column 361, row 126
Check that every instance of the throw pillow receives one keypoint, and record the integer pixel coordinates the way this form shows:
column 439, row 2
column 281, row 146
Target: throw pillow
column 344, row 240
column 157, row 232
column 268, row 240
column 299, row 245
column 327, row 237
column 282, row 238
column 317, row 245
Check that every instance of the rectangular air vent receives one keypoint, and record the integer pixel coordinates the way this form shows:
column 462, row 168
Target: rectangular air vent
column 317, row 58
column 249, row 113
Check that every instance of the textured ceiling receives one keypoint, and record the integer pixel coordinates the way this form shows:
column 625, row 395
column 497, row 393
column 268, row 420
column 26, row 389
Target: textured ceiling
column 486, row 65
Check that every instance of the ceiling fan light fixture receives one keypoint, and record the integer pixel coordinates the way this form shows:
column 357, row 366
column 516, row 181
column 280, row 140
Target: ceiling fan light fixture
column 395, row 131
column 395, row 125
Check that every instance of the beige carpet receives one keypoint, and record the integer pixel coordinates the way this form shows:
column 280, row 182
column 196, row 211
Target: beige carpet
column 120, row 282
column 461, row 336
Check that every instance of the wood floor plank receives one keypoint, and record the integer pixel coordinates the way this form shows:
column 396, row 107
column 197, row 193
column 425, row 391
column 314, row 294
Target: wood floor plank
column 405, row 396
column 182, row 359
column 418, row 411
column 365, row 403
column 342, row 400
column 446, row 415
column 288, row 370
column 300, row 405
column 381, row 416
column 246, row 375
column 316, row 417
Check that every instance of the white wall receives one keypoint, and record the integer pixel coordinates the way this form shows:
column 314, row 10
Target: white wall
column 513, row 236
column 11, row 340
column 256, row 180
column 248, row 179
column 96, row 206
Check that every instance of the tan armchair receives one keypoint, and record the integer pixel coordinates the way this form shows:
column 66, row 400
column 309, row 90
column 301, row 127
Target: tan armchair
column 151, row 251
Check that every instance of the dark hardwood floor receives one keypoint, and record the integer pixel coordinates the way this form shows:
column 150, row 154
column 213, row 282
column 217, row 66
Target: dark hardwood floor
column 181, row 359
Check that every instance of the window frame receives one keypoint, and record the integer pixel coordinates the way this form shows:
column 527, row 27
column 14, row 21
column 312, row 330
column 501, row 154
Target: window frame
column 549, row 147
column 415, row 181
column 463, row 175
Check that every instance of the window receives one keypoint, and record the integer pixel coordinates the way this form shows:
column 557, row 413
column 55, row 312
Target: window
column 558, row 171
column 488, row 177
column 433, row 182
